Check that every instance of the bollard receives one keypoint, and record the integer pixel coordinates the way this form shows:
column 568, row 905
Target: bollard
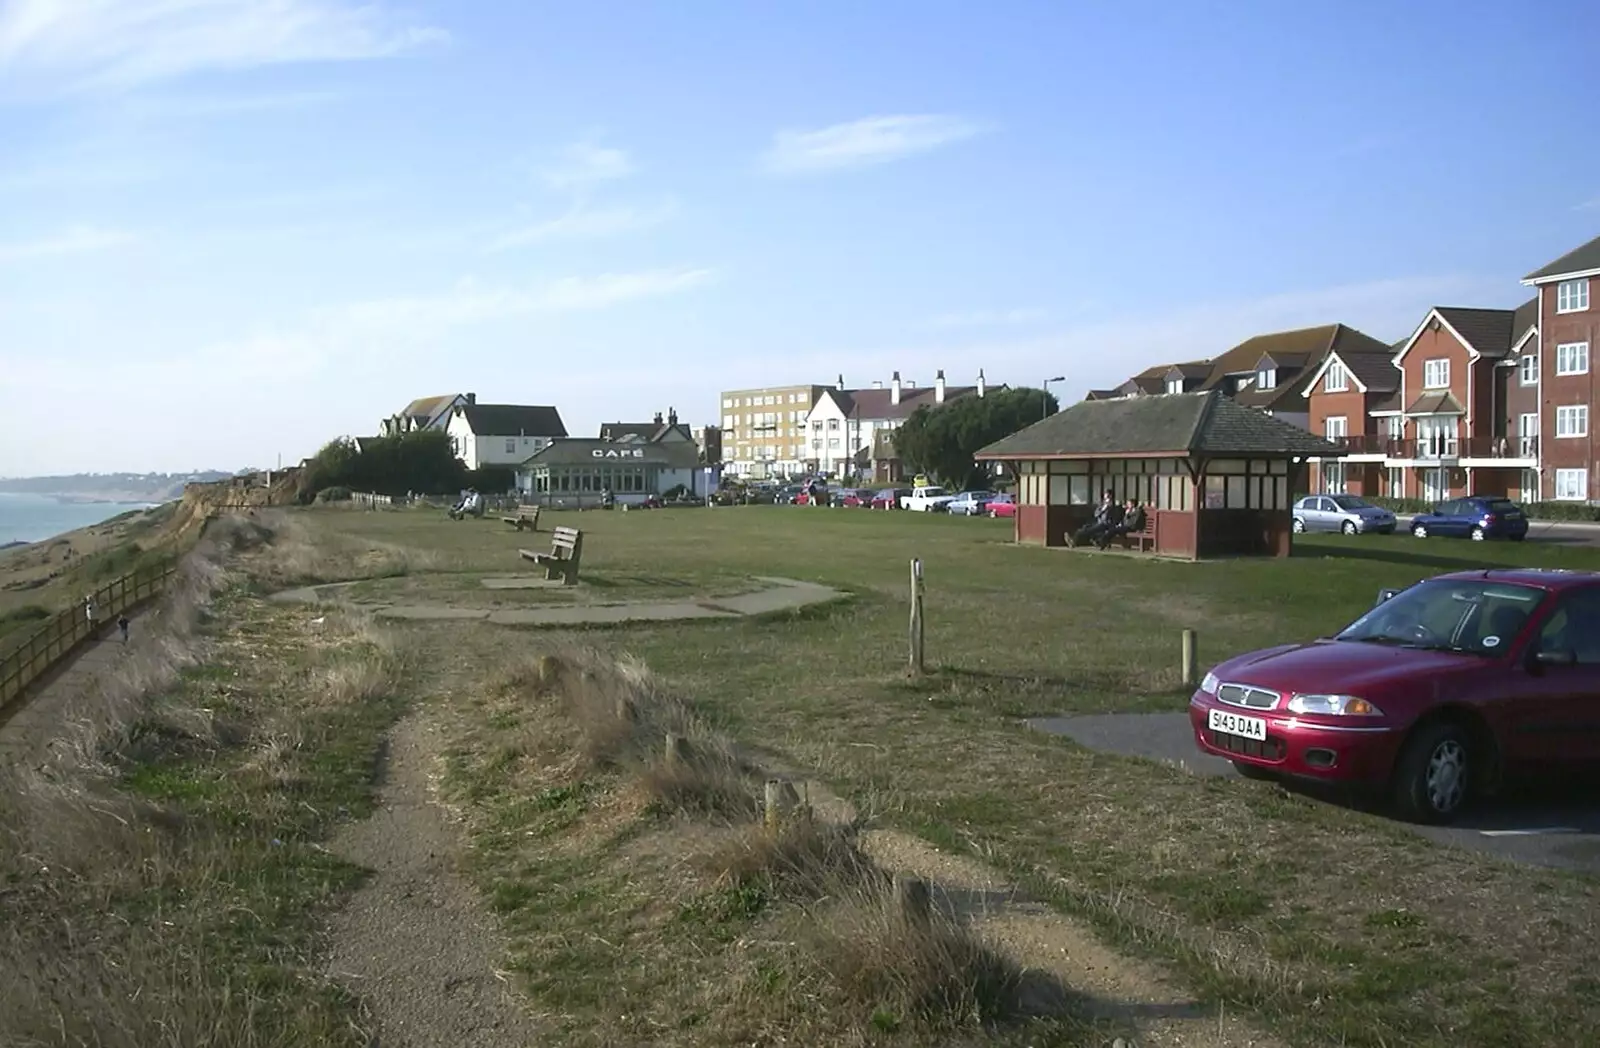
column 916, row 617
column 1190, row 659
column 773, row 803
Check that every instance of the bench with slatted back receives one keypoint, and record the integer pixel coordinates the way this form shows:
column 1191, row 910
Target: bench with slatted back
column 1143, row 540
column 566, row 550
column 525, row 519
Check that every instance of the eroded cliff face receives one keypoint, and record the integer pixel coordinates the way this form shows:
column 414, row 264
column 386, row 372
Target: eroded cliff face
column 203, row 501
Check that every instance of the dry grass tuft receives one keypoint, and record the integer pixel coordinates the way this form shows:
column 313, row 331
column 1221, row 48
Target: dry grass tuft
column 804, row 858
column 931, row 971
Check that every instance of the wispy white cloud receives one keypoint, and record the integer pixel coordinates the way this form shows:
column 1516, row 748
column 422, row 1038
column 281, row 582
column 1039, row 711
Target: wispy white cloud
column 75, row 240
column 584, row 164
column 582, row 222
column 109, row 45
column 989, row 318
column 865, row 142
column 1588, row 205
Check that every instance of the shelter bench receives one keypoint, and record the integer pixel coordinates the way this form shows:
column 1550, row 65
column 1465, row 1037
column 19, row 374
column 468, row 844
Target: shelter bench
column 525, row 519
column 566, row 551
column 1143, row 540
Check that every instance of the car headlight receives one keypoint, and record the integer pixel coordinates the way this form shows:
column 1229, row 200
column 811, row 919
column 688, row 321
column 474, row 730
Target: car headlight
column 1209, row 684
column 1333, row 706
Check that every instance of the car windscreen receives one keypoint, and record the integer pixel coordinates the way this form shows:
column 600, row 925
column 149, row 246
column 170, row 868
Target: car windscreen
column 1500, row 505
column 1350, row 502
column 1472, row 616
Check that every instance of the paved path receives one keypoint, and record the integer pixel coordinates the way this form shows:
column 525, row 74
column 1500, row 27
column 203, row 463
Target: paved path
column 29, row 725
column 1544, row 828
column 780, row 595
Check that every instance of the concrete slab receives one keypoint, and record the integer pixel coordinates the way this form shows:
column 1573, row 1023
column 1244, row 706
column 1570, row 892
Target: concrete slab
column 599, row 615
column 785, row 597
column 527, row 582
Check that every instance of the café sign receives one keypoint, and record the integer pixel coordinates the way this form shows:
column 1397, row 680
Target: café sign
column 618, row 453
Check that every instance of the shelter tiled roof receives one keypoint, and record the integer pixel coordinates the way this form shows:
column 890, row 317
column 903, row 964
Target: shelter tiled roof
column 1204, row 423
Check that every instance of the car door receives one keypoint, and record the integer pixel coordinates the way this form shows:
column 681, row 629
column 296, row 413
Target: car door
column 1328, row 518
column 1555, row 714
column 1311, row 512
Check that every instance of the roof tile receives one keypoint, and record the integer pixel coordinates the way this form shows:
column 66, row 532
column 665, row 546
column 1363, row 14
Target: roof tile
column 1578, row 260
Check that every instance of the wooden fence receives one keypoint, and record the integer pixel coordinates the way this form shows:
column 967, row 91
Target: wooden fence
column 66, row 629
column 371, row 501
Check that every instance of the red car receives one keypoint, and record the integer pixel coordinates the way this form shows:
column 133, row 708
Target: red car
column 889, row 498
column 1437, row 694
column 1001, row 506
column 853, row 498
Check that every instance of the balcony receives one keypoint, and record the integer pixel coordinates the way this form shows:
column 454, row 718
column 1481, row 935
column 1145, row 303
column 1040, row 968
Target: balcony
column 1517, row 448
column 1367, row 444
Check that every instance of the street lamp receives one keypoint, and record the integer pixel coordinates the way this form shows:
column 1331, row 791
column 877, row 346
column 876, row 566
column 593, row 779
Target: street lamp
column 1044, row 403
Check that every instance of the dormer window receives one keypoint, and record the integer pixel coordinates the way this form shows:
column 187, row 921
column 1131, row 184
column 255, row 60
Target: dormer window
column 1267, row 378
column 1174, row 385
column 1334, row 380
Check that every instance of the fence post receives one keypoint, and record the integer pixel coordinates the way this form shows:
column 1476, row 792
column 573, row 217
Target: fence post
column 916, row 616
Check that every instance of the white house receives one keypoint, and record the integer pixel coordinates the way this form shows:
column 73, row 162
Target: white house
column 501, row 434
column 426, row 413
column 843, row 423
column 577, row 471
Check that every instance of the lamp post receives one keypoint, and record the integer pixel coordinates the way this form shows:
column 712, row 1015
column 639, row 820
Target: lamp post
column 1044, row 404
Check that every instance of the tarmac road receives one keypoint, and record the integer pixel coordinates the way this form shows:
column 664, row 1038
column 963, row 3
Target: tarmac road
column 1557, row 829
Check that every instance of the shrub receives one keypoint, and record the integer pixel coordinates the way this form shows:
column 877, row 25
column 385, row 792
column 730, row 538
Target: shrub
column 26, row 613
column 337, row 493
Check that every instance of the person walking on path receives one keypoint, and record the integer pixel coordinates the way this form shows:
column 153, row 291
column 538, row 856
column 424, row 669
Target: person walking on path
column 122, row 627
column 89, row 613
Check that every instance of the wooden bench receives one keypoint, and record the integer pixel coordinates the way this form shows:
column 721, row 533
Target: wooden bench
column 1143, row 540
column 566, row 551
column 526, row 519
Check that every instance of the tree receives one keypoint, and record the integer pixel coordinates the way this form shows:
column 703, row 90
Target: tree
column 943, row 440
column 422, row 460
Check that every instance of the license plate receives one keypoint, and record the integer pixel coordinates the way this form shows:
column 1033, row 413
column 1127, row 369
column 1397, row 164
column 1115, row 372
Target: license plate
column 1238, row 724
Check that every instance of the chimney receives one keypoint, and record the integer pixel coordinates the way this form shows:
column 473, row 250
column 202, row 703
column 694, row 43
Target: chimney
column 877, row 383
column 980, row 382
column 472, row 400
column 840, row 386
column 938, row 388
column 658, row 418
column 672, row 416
column 894, row 388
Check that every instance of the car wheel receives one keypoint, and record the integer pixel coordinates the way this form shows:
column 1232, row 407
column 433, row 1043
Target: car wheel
column 1299, row 526
column 1349, row 527
column 1433, row 774
column 1250, row 771
column 1478, row 534
column 1419, row 530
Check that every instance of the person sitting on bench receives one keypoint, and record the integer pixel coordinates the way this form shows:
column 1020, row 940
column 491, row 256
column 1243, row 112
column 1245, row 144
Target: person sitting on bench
column 1132, row 524
column 1106, row 518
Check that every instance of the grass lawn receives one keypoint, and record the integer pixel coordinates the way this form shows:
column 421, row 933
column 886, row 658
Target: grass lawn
column 1332, row 926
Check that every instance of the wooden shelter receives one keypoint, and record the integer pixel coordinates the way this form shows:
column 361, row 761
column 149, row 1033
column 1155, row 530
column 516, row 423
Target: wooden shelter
column 1216, row 477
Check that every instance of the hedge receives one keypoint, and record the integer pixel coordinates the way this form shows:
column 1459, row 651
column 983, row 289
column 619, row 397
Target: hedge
column 1575, row 511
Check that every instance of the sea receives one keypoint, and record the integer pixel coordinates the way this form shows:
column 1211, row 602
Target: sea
column 34, row 518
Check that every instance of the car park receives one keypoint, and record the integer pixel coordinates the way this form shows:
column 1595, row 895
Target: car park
column 1477, row 517
column 889, row 498
column 853, row 498
column 1439, row 693
column 1002, row 505
column 1350, row 514
column 928, row 498
column 969, row 503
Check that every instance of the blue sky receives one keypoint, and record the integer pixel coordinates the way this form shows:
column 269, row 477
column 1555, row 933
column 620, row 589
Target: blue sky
column 230, row 229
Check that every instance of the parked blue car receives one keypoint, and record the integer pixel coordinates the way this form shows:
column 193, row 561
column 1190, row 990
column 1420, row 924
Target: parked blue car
column 1477, row 517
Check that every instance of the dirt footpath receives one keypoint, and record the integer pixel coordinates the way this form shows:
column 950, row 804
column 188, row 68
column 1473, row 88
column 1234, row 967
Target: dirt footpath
column 414, row 941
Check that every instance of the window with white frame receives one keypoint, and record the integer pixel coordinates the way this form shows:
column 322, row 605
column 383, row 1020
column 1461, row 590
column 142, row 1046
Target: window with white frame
column 1572, row 485
column 1528, row 486
column 1528, row 435
column 1528, row 369
column 1395, row 486
column 1174, row 385
column 1572, row 420
column 1335, row 380
column 1336, row 428
column 511, row 445
column 1572, row 296
column 1436, row 374
column 1395, row 427
column 1572, row 358
column 1266, row 378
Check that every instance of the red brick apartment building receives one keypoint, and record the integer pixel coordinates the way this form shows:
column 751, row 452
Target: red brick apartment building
column 1476, row 401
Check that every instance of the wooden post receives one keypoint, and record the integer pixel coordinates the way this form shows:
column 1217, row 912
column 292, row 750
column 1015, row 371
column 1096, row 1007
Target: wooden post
column 677, row 749
column 912, row 899
column 916, row 616
column 1190, row 658
column 773, row 803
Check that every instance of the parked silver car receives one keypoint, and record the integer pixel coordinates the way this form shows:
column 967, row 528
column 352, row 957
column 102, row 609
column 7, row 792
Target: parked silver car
column 1347, row 513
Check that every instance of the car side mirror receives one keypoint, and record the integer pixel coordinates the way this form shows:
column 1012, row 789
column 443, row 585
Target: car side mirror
column 1385, row 594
